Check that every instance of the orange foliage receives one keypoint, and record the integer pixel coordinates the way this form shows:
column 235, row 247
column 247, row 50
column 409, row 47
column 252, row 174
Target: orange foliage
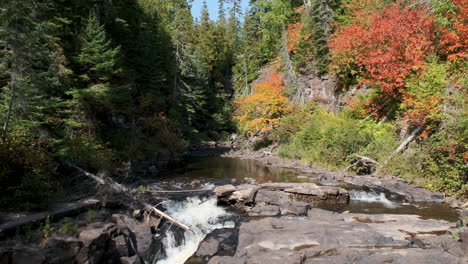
column 390, row 47
column 294, row 36
column 454, row 41
column 262, row 110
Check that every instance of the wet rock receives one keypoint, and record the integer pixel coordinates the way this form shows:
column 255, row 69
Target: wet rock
column 62, row 249
column 137, row 235
column 208, row 247
column 220, row 242
column 95, row 238
column 294, row 208
column 27, row 255
column 265, row 210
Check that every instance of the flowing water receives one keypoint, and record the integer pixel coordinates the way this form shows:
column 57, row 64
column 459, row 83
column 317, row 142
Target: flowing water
column 203, row 215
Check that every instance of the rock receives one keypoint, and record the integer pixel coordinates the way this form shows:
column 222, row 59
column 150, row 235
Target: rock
column 294, row 208
column 463, row 234
column 244, row 194
column 121, row 245
column 130, row 260
column 329, row 237
column 195, row 184
column 266, row 210
column 4, row 256
column 95, row 238
column 273, row 197
column 453, row 202
column 62, row 249
column 224, row 191
column 137, row 235
column 226, row 260
column 208, row 247
column 314, row 194
column 27, row 255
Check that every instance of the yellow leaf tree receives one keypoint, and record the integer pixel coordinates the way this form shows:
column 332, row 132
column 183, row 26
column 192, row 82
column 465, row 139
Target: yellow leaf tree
column 261, row 111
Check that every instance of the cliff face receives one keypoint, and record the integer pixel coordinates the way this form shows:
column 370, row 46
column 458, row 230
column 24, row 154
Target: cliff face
column 320, row 89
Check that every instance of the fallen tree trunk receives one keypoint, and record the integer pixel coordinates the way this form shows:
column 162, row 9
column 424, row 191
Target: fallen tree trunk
column 402, row 145
column 407, row 140
column 128, row 193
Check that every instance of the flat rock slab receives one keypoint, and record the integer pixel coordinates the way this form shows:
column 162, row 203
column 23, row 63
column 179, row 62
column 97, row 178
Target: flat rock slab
column 328, row 237
column 281, row 193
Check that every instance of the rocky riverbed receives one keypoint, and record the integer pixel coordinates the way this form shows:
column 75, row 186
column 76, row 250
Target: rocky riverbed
column 265, row 211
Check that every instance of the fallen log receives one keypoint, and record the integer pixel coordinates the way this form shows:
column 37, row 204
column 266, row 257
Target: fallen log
column 131, row 195
column 364, row 162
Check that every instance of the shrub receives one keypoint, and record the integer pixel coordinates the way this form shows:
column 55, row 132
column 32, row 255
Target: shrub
column 69, row 228
column 332, row 140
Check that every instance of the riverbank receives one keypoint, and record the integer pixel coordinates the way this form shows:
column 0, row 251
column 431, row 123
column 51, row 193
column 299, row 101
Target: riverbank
column 410, row 191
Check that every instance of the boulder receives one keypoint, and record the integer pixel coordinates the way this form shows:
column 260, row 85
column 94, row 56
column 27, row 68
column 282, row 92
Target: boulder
column 208, row 247
column 62, row 249
column 224, row 191
column 273, row 197
column 138, row 236
column 95, row 238
column 244, row 194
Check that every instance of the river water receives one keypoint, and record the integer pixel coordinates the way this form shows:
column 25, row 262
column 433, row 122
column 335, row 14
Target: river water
column 203, row 215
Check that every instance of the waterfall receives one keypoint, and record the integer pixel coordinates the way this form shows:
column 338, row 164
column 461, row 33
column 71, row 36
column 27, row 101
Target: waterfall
column 203, row 216
column 372, row 197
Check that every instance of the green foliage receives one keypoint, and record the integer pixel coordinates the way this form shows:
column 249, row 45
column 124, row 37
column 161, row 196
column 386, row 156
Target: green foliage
column 46, row 229
column 69, row 228
column 292, row 124
column 90, row 215
column 142, row 189
column 332, row 140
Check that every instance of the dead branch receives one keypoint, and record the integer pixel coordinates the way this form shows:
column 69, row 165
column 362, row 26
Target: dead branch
column 122, row 190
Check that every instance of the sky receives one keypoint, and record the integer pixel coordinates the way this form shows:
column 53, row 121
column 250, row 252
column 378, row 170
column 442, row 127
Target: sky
column 212, row 7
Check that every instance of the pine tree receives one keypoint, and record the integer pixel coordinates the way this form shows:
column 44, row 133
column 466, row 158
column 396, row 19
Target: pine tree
column 97, row 58
column 322, row 15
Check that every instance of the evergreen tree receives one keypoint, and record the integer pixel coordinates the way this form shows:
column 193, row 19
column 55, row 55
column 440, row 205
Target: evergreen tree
column 97, row 58
column 322, row 16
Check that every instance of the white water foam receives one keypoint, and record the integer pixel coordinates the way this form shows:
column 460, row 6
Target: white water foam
column 372, row 197
column 202, row 216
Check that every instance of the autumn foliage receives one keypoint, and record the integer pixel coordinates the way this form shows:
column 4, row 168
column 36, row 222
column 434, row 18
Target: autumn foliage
column 393, row 45
column 294, row 36
column 261, row 111
column 454, row 41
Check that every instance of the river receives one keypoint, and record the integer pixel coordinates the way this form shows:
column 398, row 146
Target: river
column 203, row 215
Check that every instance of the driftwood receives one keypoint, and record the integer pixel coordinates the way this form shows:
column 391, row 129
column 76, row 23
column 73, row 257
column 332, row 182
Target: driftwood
column 363, row 161
column 402, row 146
column 128, row 193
